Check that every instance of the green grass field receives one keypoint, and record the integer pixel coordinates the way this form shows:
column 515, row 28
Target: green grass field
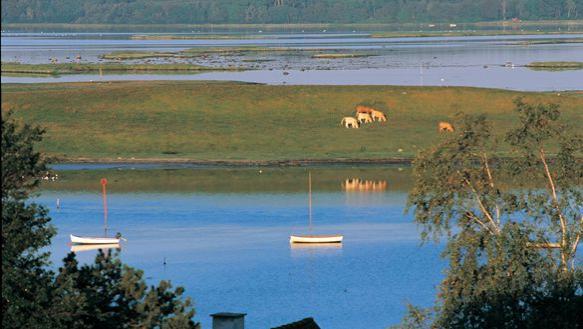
column 172, row 120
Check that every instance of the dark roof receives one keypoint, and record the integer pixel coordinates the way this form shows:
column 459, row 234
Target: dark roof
column 228, row 315
column 307, row 323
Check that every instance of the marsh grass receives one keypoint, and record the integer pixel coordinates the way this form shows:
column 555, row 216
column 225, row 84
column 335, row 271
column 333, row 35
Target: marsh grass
column 445, row 31
column 75, row 68
column 128, row 55
column 339, row 55
column 555, row 66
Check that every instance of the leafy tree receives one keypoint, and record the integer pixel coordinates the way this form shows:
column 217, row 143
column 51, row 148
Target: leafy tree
column 513, row 225
column 25, row 231
column 106, row 294
column 416, row 318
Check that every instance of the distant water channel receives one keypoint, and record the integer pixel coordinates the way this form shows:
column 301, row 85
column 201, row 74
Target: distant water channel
column 224, row 236
column 487, row 61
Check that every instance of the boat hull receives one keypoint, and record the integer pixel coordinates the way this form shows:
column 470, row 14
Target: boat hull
column 87, row 247
column 316, row 238
column 92, row 240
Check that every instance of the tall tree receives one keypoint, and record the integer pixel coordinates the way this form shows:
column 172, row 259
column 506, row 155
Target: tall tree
column 25, row 231
column 513, row 226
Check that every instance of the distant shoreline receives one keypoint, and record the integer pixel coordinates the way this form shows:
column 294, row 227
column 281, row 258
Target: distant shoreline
column 244, row 163
column 397, row 27
column 237, row 163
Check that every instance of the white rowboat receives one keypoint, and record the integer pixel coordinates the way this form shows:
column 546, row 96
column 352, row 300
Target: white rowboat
column 315, row 238
column 93, row 240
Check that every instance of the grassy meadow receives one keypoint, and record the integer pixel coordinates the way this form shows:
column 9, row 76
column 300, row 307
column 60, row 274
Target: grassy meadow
column 202, row 121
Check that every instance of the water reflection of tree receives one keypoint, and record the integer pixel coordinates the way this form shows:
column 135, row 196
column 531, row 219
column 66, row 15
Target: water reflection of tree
column 511, row 249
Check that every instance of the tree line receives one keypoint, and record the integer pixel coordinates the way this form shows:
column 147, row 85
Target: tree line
column 283, row 11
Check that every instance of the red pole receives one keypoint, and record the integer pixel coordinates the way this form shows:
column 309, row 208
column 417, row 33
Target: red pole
column 104, row 194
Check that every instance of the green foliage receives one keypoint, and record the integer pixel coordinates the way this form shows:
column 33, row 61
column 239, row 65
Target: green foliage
column 21, row 164
column 416, row 318
column 106, row 294
column 511, row 244
column 282, row 11
column 25, row 231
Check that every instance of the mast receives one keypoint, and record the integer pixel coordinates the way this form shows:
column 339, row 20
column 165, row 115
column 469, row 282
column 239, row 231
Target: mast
column 310, row 200
column 104, row 193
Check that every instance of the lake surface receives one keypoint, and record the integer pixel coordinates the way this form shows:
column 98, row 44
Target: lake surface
column 479, row 61
column 224, row 235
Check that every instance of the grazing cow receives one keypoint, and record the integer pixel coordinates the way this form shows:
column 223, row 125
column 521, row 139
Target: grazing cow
column 350, row 122
column 363, row 109
column 363, row 118
column 445, row 126
column 378, row 116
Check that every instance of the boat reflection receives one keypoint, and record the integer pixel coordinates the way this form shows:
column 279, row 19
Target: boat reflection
column 309, row 246
column 360, row 185
column 315, row 249
column 88, row 247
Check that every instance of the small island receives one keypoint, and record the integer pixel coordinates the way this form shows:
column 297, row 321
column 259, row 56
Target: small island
column 338, row 56
column 555, row 66
column 76, row 68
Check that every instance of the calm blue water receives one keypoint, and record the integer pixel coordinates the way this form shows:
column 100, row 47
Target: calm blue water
column 230, row 250
column 477, row 61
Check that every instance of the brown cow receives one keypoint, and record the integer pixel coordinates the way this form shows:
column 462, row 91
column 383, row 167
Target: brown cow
column 445, row 126
column 363, row 109
column 378, row 116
